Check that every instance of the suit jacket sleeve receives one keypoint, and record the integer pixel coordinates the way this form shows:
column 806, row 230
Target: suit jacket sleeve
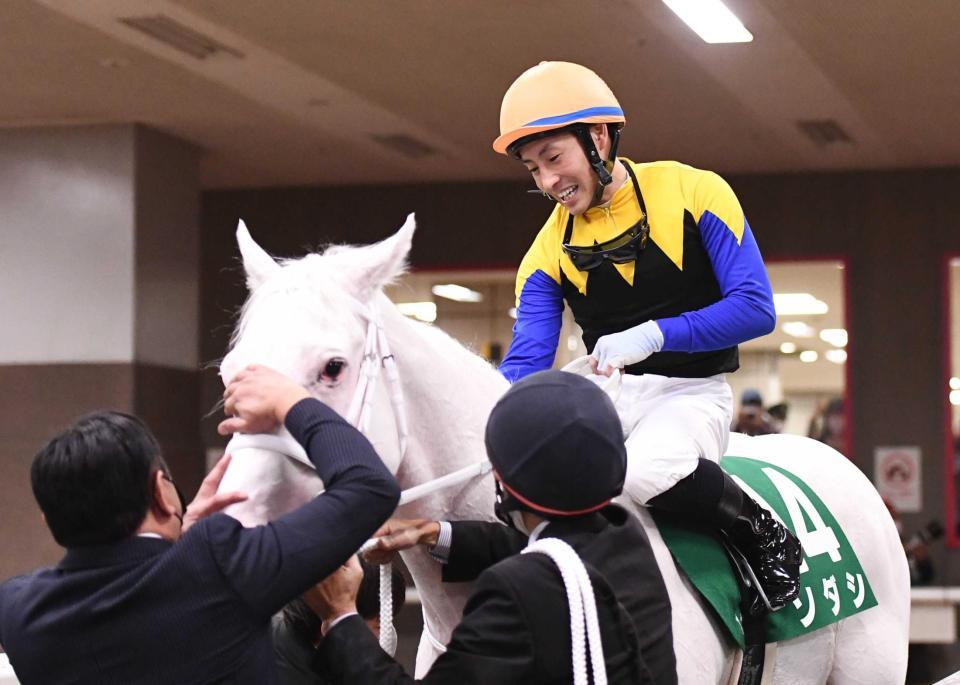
column 492, row 644
column 476, row 546
column 269, row 565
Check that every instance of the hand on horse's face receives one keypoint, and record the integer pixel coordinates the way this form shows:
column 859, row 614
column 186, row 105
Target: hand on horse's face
column 257, row 401
column 399, row 534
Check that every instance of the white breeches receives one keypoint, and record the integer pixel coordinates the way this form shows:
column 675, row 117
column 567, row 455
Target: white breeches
column 668, row 424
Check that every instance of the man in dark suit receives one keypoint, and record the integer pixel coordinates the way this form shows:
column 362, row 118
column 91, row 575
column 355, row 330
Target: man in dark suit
column 150, row 593
column 558, row 455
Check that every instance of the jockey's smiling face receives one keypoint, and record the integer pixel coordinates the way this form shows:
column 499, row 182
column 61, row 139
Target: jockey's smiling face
column 560, row 168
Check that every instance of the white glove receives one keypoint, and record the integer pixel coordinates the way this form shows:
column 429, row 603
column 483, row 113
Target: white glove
column 627, row 347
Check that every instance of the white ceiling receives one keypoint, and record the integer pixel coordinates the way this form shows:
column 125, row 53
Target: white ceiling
column 304, row 85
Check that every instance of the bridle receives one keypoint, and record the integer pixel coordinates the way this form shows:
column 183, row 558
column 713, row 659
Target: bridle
column 376, row 357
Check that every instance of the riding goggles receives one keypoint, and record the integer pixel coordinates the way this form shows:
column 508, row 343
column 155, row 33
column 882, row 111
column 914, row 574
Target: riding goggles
column 621, row 249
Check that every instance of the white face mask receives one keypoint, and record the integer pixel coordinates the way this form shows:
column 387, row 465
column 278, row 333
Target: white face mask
column 514, row 519
column 517, row 518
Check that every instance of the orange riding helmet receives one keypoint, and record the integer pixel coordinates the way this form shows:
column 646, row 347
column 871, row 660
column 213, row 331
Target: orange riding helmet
column 559, row 96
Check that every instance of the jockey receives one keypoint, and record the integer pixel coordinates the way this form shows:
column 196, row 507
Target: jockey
column 662, row 273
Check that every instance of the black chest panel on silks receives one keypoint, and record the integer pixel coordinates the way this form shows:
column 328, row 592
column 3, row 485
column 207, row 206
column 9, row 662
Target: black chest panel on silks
column 659, row 290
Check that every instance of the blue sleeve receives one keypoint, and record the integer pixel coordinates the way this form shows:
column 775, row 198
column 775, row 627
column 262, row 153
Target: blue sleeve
column 745, row 310
column 269, row 565
column 537, row 330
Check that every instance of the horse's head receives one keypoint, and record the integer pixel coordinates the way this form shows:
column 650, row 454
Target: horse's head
column 308, row 318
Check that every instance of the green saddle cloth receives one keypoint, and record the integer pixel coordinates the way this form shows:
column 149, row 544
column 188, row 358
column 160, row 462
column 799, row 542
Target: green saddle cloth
column 833, row 584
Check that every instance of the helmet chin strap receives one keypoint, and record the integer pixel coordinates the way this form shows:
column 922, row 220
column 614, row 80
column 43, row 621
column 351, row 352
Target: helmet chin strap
column 603, row 169
column 507, row 510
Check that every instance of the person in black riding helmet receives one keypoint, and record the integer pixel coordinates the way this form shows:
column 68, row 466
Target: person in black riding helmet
column 557, row 450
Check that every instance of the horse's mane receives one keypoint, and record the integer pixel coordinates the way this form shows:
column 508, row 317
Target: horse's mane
column 322, row 277
column 444, row 345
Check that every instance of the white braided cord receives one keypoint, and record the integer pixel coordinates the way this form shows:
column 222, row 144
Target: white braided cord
column 584, row 625
column 388, row 633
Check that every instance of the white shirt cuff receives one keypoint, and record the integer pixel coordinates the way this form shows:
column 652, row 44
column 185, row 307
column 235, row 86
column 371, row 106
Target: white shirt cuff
column 441, row 550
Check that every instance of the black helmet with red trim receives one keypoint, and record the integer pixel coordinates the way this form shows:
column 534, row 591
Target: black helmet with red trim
column 556, row 446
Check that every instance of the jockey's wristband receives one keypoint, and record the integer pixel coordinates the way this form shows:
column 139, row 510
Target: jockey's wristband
column 441, row 550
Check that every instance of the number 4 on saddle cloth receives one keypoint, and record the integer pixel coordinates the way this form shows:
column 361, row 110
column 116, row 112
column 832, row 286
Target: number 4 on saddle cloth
column 833, row 584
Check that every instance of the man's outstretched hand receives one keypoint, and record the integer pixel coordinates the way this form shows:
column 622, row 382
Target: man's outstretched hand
column 397, row 535
column 208, row 500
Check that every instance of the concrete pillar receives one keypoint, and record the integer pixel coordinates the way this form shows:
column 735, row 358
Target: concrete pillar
column 98, row 301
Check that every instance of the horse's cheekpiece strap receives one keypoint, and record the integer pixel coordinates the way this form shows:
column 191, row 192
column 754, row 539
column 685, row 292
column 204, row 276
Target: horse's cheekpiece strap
column 377, row 357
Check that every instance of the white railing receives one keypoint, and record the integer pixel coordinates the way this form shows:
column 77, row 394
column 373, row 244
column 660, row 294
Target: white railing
column 933, row 614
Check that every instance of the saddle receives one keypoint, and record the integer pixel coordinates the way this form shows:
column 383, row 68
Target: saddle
column 833, row 583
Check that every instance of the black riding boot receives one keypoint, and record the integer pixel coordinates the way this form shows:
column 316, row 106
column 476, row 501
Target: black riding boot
column 773, row 552
column 711, row 497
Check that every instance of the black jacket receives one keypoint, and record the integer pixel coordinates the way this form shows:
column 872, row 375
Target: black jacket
column 148, row 611
column 516, row 624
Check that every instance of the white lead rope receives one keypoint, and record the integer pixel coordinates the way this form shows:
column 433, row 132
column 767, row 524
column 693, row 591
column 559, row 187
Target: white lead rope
column 450, row 480
column 388, row 632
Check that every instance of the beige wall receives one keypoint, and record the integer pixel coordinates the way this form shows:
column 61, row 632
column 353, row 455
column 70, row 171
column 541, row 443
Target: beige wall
column 66, row 264
column 166, row 213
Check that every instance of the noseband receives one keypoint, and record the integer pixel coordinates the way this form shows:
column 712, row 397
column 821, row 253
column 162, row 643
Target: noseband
column 376, row 356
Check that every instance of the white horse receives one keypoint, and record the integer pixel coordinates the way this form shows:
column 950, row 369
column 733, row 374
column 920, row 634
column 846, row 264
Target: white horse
column 310, row 317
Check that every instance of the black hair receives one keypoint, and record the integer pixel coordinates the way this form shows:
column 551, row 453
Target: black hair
column 779, row 410
column 93, row 481
column 368, row 597
column 513, row 149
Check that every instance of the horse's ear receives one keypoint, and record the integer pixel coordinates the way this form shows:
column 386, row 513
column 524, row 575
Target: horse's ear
column 256, row 262
column 387, row 259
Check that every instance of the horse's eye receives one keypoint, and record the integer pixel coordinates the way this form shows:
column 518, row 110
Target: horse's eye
column 332, row 370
